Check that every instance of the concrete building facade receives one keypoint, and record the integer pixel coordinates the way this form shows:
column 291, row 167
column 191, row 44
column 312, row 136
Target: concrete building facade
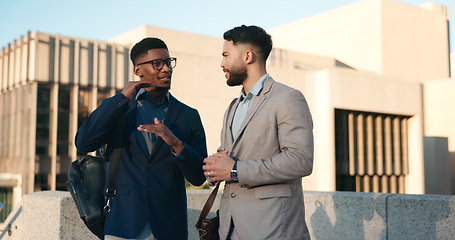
column 408, row 48
column 375, row 75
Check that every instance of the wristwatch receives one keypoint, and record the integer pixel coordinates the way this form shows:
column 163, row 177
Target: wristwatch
column 234, row 176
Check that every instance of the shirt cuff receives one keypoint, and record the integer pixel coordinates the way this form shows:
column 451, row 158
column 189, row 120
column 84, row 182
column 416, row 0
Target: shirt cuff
column 178, row 155
column 235, row 166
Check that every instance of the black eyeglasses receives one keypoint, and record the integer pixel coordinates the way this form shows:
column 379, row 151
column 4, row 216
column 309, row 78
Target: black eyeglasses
column 158, row 64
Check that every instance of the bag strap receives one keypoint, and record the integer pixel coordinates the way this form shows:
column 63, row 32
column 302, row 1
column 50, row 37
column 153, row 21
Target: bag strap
column 208, row 205
column 116, row 147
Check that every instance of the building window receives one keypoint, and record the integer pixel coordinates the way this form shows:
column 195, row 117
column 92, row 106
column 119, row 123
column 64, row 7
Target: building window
column 103, row 93
column 63, row 120
column 6, row 197
column 42, row 120
column 83, row 105
column 63, row 146
column 371, row 151
column 84, row 100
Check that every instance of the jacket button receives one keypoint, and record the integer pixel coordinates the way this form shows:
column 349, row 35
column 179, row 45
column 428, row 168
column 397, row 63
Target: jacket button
column 233, row 195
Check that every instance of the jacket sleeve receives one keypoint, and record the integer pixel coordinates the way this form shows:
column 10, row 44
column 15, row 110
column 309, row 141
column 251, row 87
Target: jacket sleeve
column 97, row 128
column 191, row 159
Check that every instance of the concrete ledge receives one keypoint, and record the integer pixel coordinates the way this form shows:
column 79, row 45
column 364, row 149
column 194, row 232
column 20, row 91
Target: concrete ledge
column 346, row 215
column 329, row 215
column 421, row 217
column 52, row 215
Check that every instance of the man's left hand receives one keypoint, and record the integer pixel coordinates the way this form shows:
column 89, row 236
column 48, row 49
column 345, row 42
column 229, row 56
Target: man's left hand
column 218, row 167
column 162, row 131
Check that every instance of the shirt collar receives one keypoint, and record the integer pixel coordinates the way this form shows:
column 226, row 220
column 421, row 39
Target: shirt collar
column 256, row 88
column 142, row 91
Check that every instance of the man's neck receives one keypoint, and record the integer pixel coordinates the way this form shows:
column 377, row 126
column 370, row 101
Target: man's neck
column 157, row 94
column 252, row 79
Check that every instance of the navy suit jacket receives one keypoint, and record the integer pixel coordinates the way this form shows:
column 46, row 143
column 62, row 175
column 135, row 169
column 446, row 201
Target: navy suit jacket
column 148, row 185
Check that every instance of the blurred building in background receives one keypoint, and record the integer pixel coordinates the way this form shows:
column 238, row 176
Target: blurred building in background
column 49, row 85
column 376, row 75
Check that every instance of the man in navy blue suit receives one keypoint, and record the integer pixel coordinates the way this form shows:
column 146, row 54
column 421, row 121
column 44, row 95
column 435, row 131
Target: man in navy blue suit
column 162, row 144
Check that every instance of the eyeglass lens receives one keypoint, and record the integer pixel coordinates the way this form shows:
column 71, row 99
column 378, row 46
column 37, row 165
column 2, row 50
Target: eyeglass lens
column 158, row 64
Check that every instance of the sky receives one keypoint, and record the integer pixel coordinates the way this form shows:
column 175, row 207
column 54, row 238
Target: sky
column 103, row 19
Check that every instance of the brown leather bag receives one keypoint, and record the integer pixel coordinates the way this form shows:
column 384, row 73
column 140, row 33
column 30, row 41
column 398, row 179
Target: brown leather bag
column 208, row 227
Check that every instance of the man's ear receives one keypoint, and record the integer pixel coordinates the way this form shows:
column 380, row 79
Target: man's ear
column 137, row 71
column 250, row 57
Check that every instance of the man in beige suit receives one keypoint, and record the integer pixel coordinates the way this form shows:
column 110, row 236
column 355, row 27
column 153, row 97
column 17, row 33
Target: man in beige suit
column 266, row 146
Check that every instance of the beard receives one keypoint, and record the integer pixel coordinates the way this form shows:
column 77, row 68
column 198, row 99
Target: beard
column 158, row 89
column 237, row 74
column 163, row 89
column 166, row 87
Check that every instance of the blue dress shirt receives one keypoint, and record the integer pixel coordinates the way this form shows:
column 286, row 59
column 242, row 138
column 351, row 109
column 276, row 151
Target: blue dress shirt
column 244, row 105
column 147, row 111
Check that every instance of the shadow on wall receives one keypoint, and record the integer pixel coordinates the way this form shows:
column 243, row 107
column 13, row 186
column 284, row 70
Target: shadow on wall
column 437, row 160
column 378, row 216
column 452, row 170
column 340, row 216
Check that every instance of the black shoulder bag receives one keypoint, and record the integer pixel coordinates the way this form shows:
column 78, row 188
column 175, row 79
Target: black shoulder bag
column 86, row 181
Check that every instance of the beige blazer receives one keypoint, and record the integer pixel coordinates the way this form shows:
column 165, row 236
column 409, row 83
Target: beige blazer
column 274, row 147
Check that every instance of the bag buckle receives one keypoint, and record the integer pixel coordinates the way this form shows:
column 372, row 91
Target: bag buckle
column 110, row 193
column 202, row 233
column 107, row 208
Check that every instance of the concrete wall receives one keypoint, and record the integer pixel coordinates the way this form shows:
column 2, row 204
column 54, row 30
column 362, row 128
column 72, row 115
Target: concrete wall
column 329, row 215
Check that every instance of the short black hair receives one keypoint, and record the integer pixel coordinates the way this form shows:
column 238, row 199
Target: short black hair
column 253, row 35
column 144, row 45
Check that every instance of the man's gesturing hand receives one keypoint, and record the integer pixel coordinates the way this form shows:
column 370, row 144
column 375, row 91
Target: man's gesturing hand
column 162, row 131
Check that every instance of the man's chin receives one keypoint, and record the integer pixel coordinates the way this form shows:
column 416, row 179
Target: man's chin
column 162, row 89
column 158, row 89
column 232, row 83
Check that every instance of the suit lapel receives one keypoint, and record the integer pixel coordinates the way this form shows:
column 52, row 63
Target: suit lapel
column 255, row 105
column 230, row 118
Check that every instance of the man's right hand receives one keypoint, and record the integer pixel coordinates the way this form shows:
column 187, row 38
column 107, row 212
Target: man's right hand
column 131, row 87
